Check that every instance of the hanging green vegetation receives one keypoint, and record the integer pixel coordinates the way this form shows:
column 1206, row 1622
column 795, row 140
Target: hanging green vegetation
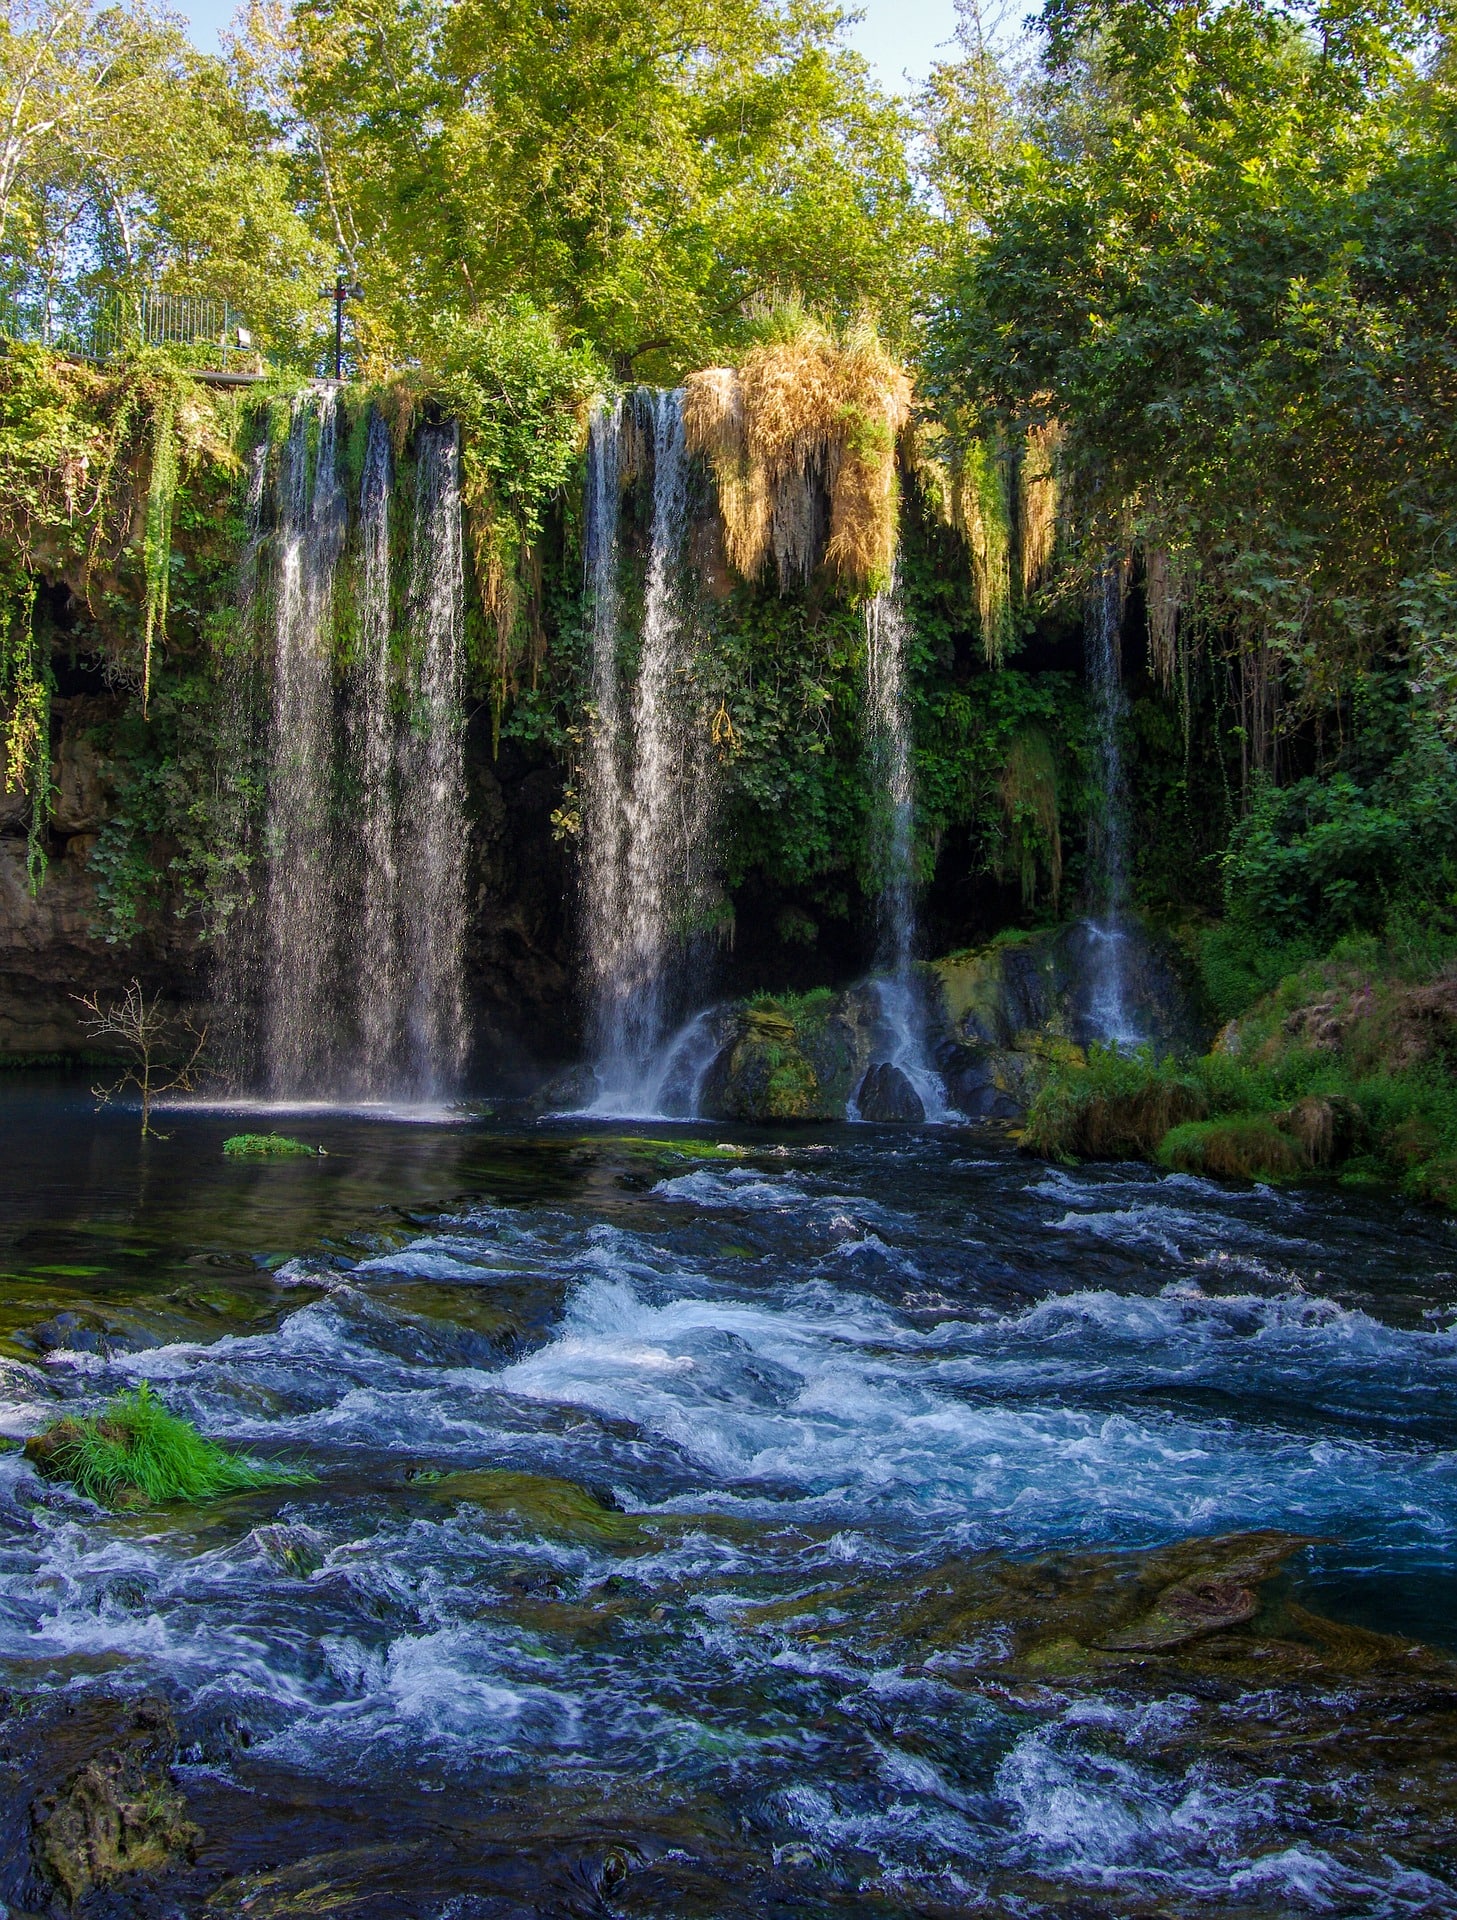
column 157, row 538
column 25, row 703
column 520, row 398
column 966, row 478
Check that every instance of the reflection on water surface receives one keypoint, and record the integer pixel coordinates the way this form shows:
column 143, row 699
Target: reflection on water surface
column 847, row 1523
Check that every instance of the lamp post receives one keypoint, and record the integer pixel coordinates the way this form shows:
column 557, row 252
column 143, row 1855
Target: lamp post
column 339, row 293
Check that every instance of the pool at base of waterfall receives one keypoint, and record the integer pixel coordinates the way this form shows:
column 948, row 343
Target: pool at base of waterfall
column 711, row 1523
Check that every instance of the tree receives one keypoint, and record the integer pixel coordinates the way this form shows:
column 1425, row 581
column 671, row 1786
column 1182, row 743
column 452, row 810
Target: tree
column 642, row 169
column 130, row 163
column 1222, row 263
column 154, row 1041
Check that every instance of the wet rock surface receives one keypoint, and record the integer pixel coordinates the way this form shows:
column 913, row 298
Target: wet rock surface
column 885, row 1095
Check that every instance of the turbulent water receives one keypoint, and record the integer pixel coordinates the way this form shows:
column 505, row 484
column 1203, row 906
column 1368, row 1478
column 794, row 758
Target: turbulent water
column 648, row 802
column 888, row 732
column 840, row 1416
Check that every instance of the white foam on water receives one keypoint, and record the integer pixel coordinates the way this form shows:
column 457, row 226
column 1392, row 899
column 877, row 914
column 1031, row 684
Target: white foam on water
column 733, row 1187
column 798, row 1394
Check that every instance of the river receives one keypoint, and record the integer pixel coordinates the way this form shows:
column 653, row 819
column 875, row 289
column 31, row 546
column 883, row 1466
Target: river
column 876, row 1442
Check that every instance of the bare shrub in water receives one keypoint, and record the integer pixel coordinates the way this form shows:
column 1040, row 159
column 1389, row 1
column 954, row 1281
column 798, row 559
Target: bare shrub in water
column 162, row 1052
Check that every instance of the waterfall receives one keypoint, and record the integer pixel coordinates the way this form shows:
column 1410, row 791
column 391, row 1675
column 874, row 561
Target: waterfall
column 1110, row 1016
column 888, row 729
column 377, row 961
column 356, row 961
column 243, row 692
column 301, row 987
column 432, row 855
column 648, row 812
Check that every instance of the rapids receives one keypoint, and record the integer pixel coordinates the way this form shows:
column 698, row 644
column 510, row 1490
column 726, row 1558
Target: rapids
column 807, row 1390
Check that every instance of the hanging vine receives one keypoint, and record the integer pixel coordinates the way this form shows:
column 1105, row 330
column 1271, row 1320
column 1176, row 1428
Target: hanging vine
column 157, row 534
column 25, row 693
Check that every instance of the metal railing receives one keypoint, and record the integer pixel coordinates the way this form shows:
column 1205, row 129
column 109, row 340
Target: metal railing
column 211, row 333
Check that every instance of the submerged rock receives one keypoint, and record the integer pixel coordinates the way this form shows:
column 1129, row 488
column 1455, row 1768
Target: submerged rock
column 886, row 1095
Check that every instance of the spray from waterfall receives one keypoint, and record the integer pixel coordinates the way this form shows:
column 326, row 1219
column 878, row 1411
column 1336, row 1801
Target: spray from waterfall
column 647, row 796
column 301, row 983
column 1110, row 1014
column 888, row 729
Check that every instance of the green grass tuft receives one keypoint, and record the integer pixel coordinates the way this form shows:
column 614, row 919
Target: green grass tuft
column 135, row 1453
column 265, row 1146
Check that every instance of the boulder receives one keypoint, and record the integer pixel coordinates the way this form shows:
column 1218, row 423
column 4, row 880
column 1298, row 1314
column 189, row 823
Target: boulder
column 885, row 1095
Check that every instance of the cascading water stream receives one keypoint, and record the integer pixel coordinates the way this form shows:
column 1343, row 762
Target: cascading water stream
column 648, row 792
column 300, row 911
column 432, row 918
column 889, row 732
column 358, row 968
column 380, row 982
column 1110, row 1014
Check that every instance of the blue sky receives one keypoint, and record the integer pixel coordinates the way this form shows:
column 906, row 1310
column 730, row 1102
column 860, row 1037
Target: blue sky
column 896, row 36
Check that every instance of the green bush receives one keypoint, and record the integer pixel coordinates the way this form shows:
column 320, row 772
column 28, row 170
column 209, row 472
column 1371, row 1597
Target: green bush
column 136, row 1453
column 1111, row 1106
column 266, row 1146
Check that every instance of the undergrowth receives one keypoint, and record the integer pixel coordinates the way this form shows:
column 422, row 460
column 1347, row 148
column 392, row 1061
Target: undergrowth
column 1344, row 1069
column 134, row 1452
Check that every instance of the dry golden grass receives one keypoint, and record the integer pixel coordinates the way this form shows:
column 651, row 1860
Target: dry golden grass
column 1163, row 589
column 1038, row 503
column 803, row 419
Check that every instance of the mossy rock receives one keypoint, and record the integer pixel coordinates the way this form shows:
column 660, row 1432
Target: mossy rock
column 267, row 1146
column 558, row 1508
column 118, row 1815
column 136, row 1453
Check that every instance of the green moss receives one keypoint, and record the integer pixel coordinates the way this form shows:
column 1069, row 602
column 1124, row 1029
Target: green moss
column 266, row 1146
column 134, row 1452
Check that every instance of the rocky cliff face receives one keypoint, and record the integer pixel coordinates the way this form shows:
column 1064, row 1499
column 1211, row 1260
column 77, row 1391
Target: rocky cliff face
column 52, row 947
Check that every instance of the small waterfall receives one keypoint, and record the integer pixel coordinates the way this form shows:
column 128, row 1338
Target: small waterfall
column 301, row 986
column 888, row 727
column 432, row 856
column 648, row 795
column 605, row 778
column 378, row 956
column 1110, row 1015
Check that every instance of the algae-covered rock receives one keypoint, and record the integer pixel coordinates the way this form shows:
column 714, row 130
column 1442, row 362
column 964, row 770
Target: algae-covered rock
column 541, row 1502
column 791, row 1058
column 118, row 1814
column 134, row 1452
